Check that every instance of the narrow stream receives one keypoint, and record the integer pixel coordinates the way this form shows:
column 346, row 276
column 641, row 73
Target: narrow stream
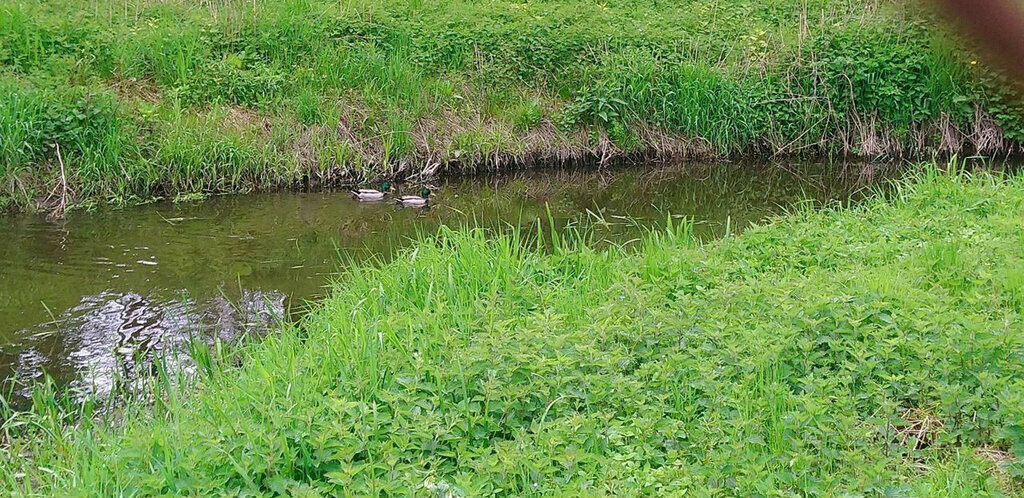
column 98, row 294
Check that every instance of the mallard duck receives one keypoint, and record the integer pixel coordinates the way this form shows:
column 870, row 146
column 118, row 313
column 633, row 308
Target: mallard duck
column 415, row 200
column 368, row 194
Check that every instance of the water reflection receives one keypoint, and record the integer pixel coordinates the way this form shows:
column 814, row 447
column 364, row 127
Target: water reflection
column 101, row 295
column 111, row 337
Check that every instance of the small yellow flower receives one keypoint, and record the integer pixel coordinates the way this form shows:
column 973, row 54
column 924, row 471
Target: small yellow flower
column 974, row 63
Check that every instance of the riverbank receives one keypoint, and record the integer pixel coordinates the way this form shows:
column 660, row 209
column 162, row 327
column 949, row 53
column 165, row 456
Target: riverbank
column 875, row 349
column 230, row 263
column 124, row 102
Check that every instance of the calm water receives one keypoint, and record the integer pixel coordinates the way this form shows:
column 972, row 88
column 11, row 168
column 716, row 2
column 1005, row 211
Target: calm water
column 99, row 294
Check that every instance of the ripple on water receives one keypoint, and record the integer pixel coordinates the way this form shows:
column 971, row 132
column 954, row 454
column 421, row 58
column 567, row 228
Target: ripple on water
column 118, row 337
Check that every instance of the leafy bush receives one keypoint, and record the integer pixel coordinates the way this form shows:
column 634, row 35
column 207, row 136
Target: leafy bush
column 595, row 104
column 1003, row 100
column 875, row 71
column 234, row 80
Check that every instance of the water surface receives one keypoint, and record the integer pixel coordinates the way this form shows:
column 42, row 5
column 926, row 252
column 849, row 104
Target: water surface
column 99, row 294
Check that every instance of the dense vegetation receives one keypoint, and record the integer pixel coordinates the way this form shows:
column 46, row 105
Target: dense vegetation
column 876, row 350
column 150, row 98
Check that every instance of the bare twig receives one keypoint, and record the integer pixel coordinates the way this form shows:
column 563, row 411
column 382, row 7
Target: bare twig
column 61, row 209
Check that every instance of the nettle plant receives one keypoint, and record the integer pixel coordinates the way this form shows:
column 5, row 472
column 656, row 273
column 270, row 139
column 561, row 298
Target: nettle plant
column 1014, row 437
column 599, row 104
column 77, row 120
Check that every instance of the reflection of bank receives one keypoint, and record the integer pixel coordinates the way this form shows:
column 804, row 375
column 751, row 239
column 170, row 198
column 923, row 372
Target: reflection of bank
column 119, row 340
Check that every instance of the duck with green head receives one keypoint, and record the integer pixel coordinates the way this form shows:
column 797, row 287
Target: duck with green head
column 368, row 194
column 416, row 200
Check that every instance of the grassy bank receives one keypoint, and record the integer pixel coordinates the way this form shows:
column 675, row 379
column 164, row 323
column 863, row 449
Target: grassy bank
column 875, row 350
column 163, row 98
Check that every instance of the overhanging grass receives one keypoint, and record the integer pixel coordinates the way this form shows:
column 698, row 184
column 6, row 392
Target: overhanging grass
column 871, row 350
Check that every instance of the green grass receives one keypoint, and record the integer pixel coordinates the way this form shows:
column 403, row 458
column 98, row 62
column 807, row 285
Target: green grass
column 350, row 91
column 874, row 350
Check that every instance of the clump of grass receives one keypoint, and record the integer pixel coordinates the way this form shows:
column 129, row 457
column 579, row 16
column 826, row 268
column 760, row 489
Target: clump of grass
column 861, row 351
column 528, row 116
